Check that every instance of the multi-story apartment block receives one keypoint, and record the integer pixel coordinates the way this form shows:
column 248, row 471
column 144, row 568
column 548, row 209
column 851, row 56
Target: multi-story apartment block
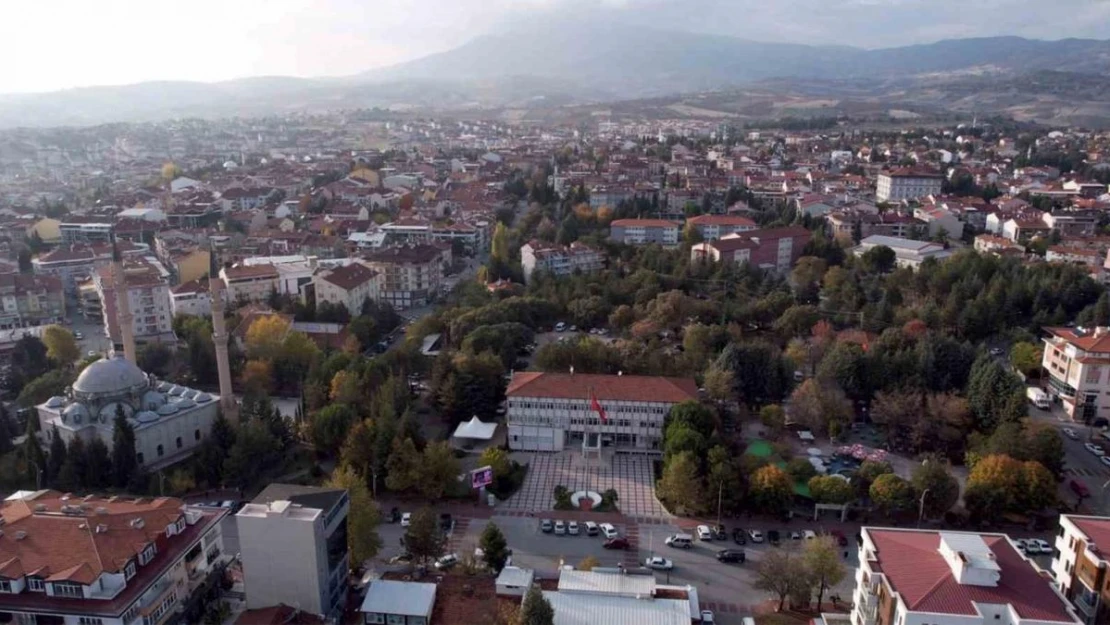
column 842, row 224
column 559, row 260
column 907, row 184
column 106, row 561
column 250, row 283
column 79, row 263
column 1077, row 361
column 641, row 231
column 191, row 298
column 411, row 275
column 553, row 411
column 916, row 577
column 1080, row 567
column 713, row 227
column 148, row 289
column 293, row 545
column 774, row 249
column 77, row 229
column 27, row 300
column 348, row 285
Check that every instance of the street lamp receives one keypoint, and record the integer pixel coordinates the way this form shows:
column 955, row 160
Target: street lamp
column 921, row 507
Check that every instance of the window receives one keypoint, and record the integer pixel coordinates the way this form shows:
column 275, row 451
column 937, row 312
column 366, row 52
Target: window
column 129, row 570
column 147, row 555
column 375, row 617
column 196, row 435
column 179, row 442
column 395, row 619
column 68, row 589
column 36, row 584
column 5, row 585
column 161, row 451
column 130, row 614
column 89, row 620
column 139, row 457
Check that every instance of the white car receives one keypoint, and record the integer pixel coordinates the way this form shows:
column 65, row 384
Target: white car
column 1070, row 433
column 608, row 531
column 447, row 562
column 1022, row 544
column 707, row 617
column 1039, row 545
column 755, row 536
column 1094, row 449
column 560, row 528
column 809, row 534
column 406, row 519
column 591, row 528
column 1105, row 460
column 659, row 564
column 704, row 533
column 572, row 528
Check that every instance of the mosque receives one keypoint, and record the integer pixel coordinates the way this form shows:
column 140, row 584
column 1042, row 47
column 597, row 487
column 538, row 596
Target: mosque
column 169, row 420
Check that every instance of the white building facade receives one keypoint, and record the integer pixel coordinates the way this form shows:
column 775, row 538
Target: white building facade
column 901, row 185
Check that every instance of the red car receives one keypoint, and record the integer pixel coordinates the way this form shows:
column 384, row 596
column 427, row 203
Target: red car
column 841, row 539
column 616, row 543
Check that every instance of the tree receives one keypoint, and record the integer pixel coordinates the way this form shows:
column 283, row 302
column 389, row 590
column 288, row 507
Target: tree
column 719, row 384
column 34, row 460
column 499, row 244
column 44, row 387
column 61, row 346
column 994, row 395
column 363, row 541
column 776, row 574
column 330, row 427
column 1045, row 445
column 1026, row 357
column 98, row 464
column 403, row 468
column 438, row 470
column 879, row 259
column 1038, row 487
column 422, row 537
column 943, row 489
column 29, row 361
column 723, row 478
column 156, row 358
column 759, row 370
column 346, row 387
column 994, row 486
column 773, row 417
column 497, row 459
column 797, row 321
column 818, row 404
column 891, row 493
column 266, row 336
column 536, row 609
column 831, row 489
column 771, row 489
column 495, row 549
column 56, row 457
column 822, row 561
column 358, row 448
column 257, row 377
column 846, row 364
column 680, row 485
column 124, row 461
column 255, row 452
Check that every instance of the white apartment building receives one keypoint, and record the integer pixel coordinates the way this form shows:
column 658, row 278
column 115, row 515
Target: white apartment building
column 643, row 231
column 1077, row 361
column 106, row 560
column 148, row 290
column 559, row 260
column 552, row 411
column 907, row 184
column 411, row 276
column 252, row 283
column 191, row 298
column 925, row 577
column 293, row 546
column 1081, row 568
column 349, row 285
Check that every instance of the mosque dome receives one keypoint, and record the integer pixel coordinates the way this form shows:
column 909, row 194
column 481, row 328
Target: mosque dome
column 152, row 400
column 109, row 376
column 76, row 414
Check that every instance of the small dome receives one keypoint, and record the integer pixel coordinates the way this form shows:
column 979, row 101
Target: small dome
column 75, row 413
column 110, row 376
column 176, row 390
column 185, row 403
column 164, row 386
column 189, row 393
column 56, row 402
column 168, row 409
column 202, row 398
column 152, row 400
column 146, row 416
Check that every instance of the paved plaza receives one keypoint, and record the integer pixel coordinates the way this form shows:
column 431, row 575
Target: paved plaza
column 629, row 474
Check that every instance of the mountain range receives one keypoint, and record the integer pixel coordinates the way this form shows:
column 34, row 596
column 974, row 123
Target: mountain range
column 554, row 65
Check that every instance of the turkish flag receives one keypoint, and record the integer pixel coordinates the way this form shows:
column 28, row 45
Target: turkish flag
column 596, row 407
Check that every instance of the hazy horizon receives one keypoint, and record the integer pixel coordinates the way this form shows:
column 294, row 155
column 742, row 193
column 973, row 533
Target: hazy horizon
column 122, row 42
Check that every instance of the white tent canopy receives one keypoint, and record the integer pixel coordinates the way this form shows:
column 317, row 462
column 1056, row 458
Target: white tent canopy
column 476, row 429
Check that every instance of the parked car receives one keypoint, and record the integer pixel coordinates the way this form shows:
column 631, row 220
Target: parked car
column 731, row 555
column 546, row 526
column 1094, row 449
column 1070, row 433
column 447, row 562
column 1040, row 545
column 738, row 536
column 809, row 534
column 841, row 539
column 997, row 351
column 720, row 533
column 560, row 528
column 680, row 541
column 591, row 528
column 573, row 328
column 572, row 528
column 406, row 519
column 1022, row 545
column 773, row 537
column 755, row 535
column 608, row 530
column 707, row 617
column 704, row 533
column 1105, row 460
column 795, row 535
column 659, row 564
column 616, row 543
column 78, row 335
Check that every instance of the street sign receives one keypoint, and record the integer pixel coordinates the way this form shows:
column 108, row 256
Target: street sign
column 481, row 477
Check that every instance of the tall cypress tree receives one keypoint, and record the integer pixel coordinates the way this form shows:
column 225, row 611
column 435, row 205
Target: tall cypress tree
column 34, row 459
column 57, row 457
column 124, row 462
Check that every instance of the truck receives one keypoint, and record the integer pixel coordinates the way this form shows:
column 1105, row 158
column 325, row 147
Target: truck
column 1037, row 397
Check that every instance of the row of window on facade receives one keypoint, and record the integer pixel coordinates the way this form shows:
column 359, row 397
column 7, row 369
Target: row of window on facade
column 635, row 408
column 161, row 450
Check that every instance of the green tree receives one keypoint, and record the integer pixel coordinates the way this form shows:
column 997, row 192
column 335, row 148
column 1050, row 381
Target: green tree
column 1026, row 357
column 98, row 465
column 831, row 489
column 797, row 321
column 497, row 459
column 943, row 489
column 771, row 489
column 680, row 485
column 879, row 258
column 56, row 458
column 358, row 449
column 773, row 417
column 44, row 387
column 777, row 573
column 124, row 461
column 723, row 479
column 34, row 459
column 256, row 451
column 536, row 609
column 422, row 537
column 363, row 541
column 891, row 493
column 495, row 549
column 403, row 468
column 499, row 244
column 61, row 346
column 818, row 403
column 1038, row 487
column 994, row 486
column 760, row 371
column 331, row 426
column 821, row 559
column 846, row 364
column 438, row 470
column 71, row 475
column 994, row 395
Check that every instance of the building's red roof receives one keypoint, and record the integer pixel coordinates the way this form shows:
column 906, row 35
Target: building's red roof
column 278, row 615
column 644, row 223
column 604, row 387
column 721, row 220
column 1084, row 340
column 916, row 570
column 1097, row 529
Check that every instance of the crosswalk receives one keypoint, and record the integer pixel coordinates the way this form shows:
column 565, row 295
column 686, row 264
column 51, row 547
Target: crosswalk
column 1087, row 472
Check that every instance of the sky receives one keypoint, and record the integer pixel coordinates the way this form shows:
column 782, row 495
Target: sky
column 60, row 44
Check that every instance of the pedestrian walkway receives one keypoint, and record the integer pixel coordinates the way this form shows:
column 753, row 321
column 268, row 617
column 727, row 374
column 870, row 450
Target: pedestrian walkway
column 1086, row 472
column 629, row 474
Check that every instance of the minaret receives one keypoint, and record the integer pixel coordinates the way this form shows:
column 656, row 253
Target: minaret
column 219, row 336
column 124, row 317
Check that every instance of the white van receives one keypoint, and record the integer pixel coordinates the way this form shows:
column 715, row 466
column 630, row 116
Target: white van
column 1037, row 397
column 680, row 541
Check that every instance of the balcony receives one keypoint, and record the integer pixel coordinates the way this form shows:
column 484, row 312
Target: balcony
column 1083, row 601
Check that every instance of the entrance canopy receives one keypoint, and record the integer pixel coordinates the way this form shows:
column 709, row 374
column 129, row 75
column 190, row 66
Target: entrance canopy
column 476, row 429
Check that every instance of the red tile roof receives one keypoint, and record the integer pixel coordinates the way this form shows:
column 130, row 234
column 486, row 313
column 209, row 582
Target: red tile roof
column 1097, row 529
column 721, row 220
column 350, row 276
column 1087, row 341
column 915, row 569
column 644, row 223
column 278, row 615
column 604, row 387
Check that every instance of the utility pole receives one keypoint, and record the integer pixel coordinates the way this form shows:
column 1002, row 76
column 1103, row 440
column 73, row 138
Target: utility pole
column 720, row 489
column 921, row 508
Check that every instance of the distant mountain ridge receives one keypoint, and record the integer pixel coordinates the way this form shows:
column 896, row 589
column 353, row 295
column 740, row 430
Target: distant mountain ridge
column 552, row 64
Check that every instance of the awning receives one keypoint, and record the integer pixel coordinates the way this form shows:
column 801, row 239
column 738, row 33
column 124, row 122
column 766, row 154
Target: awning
column 475, row 428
